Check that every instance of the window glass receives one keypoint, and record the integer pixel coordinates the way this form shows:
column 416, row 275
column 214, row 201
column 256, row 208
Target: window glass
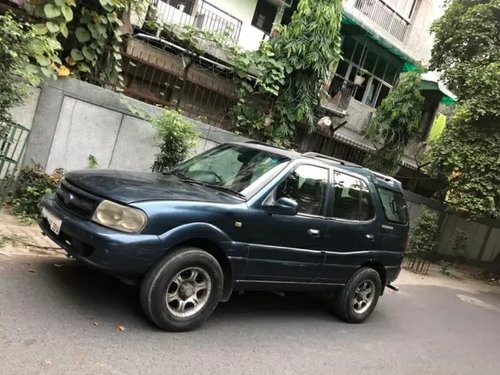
column 384, row 91
column 369, row 63
column 342, row 68
column 264, row 16
column 394, row 205
column 348, row 48
column 307, row 186
column 346, row 201
column 372, row 92
column 229, row 166
column 390, row 74
column 380, row 69
column 367, row 208
column 358, row 53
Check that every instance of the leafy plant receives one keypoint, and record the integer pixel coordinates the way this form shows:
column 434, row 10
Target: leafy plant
column 396, row 121
column 424, row 234
column 467, row 52
column 17, row 71
column 459, row 245
column 178, row 138
column 93, row 164
column 444, row 268
column 292, row 68
column 31, row 185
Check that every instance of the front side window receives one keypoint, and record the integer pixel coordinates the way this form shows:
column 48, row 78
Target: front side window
column 352, row 200
column 394, row 205
column 307, row 185
column 233, row 167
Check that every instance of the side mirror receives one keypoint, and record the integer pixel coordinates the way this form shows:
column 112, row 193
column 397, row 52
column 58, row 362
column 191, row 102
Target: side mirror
column 284, row 206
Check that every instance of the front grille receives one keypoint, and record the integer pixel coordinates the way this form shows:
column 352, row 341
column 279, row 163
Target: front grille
column 76, row 200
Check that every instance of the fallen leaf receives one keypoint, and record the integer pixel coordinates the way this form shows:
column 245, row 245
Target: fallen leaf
column 63, row 71
column 58, row 265
column 96, row 324
column 120, row 328
column 31, row 270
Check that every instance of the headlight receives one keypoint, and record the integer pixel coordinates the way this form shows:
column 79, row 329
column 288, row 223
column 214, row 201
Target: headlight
column 122, row 218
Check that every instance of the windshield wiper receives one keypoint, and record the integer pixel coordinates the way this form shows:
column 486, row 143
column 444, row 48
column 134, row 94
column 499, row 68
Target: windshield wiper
column 226, row 190
column 205, row 184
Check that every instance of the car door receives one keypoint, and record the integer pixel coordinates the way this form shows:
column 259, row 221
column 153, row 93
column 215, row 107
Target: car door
column 290, row 247
column 351, row 231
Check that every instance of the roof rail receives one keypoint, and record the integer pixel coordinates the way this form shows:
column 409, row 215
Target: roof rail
column 316, row 155
column 266, row 144
column 383, row 177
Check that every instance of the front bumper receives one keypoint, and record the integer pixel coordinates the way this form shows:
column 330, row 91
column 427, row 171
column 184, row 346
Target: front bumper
column 121, row 254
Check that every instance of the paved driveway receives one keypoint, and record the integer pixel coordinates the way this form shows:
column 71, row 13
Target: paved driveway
column 57, row 317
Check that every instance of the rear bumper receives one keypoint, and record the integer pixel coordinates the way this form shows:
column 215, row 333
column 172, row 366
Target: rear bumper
column 121, row 254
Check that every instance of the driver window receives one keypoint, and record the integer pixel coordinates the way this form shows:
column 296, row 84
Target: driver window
column 307, row 186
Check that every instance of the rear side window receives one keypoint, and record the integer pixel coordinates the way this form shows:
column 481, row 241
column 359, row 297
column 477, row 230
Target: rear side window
column 352, row 200
column 394, row 205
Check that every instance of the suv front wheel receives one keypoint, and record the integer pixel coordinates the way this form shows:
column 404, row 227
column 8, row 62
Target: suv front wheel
column 182, row 290
column 356, row 301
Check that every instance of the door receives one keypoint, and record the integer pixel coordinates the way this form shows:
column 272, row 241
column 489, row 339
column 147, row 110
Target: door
column 290, row 247
column 351, row 231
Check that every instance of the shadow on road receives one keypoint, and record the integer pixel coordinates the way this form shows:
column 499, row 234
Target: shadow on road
column 100, row 296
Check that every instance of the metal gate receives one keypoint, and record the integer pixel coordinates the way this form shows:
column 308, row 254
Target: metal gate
column 12, row 150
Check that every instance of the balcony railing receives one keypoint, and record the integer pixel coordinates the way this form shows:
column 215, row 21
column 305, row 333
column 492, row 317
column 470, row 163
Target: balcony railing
column 200, row 14
column 385, row 16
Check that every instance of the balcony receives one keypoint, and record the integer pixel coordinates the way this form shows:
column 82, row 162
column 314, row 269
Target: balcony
column 384, row 16
column 200, row 14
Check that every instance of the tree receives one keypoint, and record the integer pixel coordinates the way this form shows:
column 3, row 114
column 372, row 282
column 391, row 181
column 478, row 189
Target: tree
column 467, row 52
column 292, row 69
column 396, row 121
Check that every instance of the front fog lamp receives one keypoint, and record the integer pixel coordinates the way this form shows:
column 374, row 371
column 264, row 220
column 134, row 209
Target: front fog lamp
column 122, row 218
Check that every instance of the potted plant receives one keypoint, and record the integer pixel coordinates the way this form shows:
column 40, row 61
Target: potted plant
column 360, row 77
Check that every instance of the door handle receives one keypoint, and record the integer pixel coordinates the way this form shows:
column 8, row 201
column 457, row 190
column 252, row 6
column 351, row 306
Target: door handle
column 313, row 232
column 370, row 237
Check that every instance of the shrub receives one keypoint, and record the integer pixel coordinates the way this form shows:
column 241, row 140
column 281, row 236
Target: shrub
column 459, row 245
column 31, row 185
column 424, row 233
column 178, row 138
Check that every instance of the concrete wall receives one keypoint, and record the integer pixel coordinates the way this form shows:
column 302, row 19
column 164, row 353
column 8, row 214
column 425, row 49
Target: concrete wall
column 483, row 242
column 358, row 115
column 419, row 39
column 75, row 119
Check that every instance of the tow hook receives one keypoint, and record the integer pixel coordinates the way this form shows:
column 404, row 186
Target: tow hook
column 393, row 287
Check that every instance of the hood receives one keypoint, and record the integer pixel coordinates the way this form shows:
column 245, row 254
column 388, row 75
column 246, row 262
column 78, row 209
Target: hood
column 128, row 187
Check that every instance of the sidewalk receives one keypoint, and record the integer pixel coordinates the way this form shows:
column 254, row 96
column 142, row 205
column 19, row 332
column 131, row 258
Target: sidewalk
column 19, row 238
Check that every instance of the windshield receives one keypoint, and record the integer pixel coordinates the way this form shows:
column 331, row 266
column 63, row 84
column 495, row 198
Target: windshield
column 231, row 167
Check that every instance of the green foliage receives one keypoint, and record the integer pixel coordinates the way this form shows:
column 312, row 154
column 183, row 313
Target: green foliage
column 396, row 121
column 467, row 51
column 31, row 185
column 467, row 157
column 17, row 72
column 444, row 268
column 291, row 69
column 93, row 164
column 459, row 245
column 178, row 138
column 424, row 233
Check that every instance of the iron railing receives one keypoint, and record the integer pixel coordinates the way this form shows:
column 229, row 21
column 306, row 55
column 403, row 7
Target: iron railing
column 12, row 150
column 385, row 16
column 200, row 14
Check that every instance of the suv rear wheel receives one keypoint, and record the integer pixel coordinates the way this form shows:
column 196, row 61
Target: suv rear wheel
column 356, row 301
column 182, row 290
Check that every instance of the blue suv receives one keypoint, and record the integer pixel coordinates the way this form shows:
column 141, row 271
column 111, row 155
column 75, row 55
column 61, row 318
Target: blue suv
column 242, row 216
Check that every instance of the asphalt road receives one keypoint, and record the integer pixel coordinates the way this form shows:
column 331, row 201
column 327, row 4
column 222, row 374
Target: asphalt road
column 63, row 320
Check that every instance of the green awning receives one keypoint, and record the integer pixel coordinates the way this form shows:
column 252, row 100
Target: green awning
column 431, row 82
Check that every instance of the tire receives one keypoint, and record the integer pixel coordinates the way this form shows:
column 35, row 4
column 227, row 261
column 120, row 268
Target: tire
column 353, row 305
column 171, row 288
